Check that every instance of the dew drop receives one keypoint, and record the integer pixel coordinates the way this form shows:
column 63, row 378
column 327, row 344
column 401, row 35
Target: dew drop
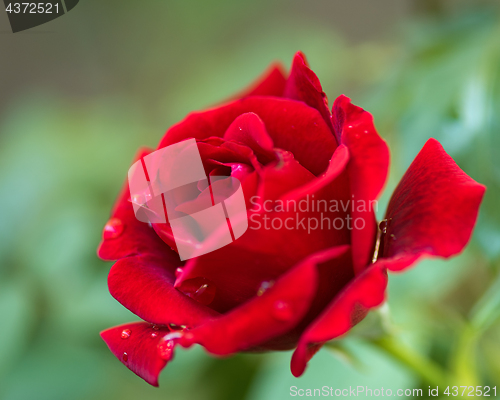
column 153, row 335
column 113, row 228
column 166, row 345
column 199, row 289
column 125, row 357
column 282, row 311
column 126, row 333
column 383, row 226
column 155, row 327
column 172, row 336
column 178, row 272
column 166, row 349
column 264, row 286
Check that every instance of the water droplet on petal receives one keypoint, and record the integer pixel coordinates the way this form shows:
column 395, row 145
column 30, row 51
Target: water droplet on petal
column 155, row 327
column 153, row 335
column 166, row 345
column 383, row 226
column 125, row 357
column 199, row 289
column 166, row 349
column 126, row 333
column 172, row 336
column 113, row 228
column 178, row 272
column 282, row 311
column 264, row 286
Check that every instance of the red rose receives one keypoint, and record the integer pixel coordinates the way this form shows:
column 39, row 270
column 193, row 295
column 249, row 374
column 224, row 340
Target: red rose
column 284, row 285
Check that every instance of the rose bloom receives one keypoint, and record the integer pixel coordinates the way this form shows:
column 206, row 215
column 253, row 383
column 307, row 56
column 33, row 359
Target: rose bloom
column 281, row 289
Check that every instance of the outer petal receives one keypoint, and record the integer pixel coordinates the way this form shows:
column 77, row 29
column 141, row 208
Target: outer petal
column 366, row 291
column 335, row 272
column 138, row 352
column 368, row 167
column 304, row 85
column 145, row 286
column 278, row 310
column 292, row 125
column 432, row 211
column 137, row 237
column 271, row 83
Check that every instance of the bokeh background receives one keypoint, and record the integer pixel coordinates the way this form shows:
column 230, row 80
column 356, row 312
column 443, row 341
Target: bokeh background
column 80, row 94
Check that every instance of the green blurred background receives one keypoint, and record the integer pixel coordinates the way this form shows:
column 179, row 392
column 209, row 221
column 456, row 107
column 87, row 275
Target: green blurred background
column 80, row 94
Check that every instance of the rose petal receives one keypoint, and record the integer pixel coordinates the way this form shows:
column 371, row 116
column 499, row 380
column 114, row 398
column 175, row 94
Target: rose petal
column 238, row 269
column 432, row 211
column 138, row 352
column 145, row 285
column 249, row 129
column 368, row 167
column 137, row 237
column 292, row 125
column 336, row 166
column 271, row 83
column 366, row 291
column 335, row 272
column 304, row 85
column 276, row 311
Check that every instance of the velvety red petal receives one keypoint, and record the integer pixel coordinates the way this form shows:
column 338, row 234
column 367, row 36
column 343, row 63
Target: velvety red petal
column 134, row 237
column 145, row 285
column 264, row 254
column 304, row 85
column 249, row 129
column 335, row 272
column 368, row 167
column 292, row 125
column 276, row 311
column 432, row 211
column 336, row 166
column 366, row 291
column 271, row 83
column 135, row 345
